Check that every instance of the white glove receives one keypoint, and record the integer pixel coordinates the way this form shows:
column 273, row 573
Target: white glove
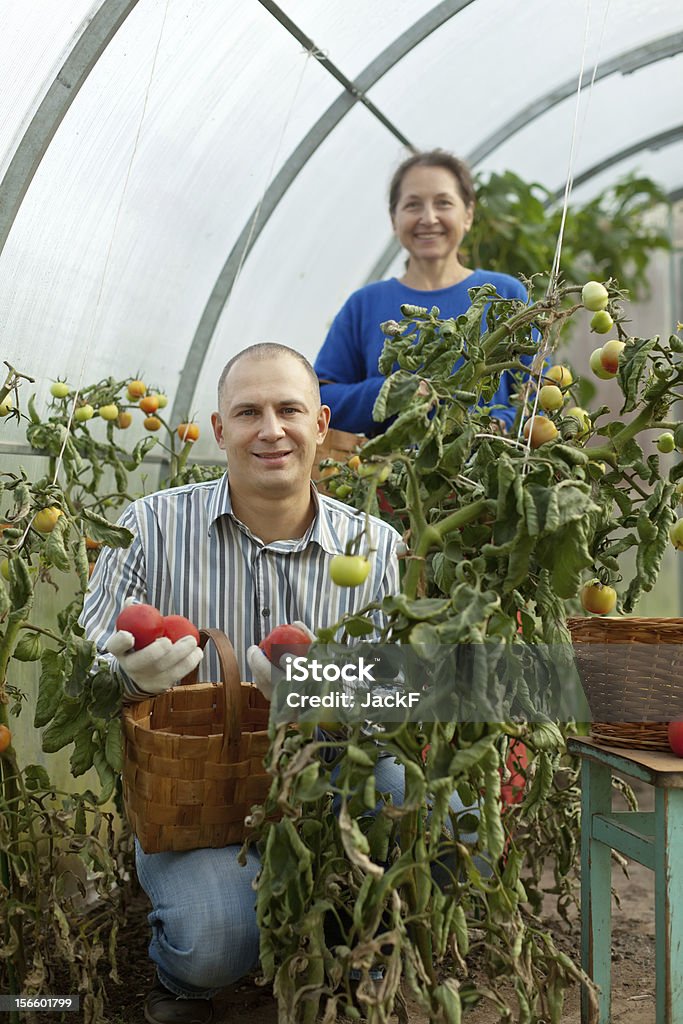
column 266, row 675
column 160, row 665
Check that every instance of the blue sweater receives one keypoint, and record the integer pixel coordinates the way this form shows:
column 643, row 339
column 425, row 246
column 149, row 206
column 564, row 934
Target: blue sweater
column 352, row 348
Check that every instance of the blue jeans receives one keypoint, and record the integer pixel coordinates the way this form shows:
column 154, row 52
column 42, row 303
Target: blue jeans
column 204, row 933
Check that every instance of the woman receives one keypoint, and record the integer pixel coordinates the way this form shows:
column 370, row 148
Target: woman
column 431, row 203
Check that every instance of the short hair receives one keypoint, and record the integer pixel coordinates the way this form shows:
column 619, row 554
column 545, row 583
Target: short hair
column 434, row 158
column 269, row 350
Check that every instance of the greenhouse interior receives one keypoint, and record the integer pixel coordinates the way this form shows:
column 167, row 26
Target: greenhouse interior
column 498, row 497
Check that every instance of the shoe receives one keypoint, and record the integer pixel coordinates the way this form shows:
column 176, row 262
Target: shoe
column 163, row 1007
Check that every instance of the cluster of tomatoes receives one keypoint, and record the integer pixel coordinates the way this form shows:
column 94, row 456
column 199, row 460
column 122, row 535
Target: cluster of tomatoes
column 136, row 392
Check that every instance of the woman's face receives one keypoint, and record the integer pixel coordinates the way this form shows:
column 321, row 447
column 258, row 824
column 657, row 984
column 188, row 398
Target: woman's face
column 431, row 218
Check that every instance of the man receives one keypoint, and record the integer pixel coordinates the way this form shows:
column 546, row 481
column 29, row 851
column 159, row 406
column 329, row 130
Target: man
column 243, row 554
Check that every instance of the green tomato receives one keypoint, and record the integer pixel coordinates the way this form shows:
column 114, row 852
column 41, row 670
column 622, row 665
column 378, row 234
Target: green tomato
column 665, row 443
column 597, row 598
column 594, row 296
column 6, row 406
column 83, row 413
column 60, row 389
column 597, row 367
column 560, row 375
column 678, row 437
column 676, row 535
column 581, row 415
column 343, row 490
column 349, row 570
column 109, row 412
column 602, row 322
column 550, row 398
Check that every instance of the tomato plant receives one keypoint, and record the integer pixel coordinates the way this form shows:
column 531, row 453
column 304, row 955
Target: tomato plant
column 501, row 539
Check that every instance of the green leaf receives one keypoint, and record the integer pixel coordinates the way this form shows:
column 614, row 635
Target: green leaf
column 50, row 686
column 68, row 720
column 54, row 550
column 29, row 648
column 105, row 695
column 83, row 754
column 37, row 777
column 396, row 393
column 100, row 529
column 419, row 610
column 358, row 625
column 113, row 745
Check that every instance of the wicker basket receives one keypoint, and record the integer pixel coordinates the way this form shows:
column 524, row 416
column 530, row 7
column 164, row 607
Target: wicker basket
column 632, row 674
column 193, row 759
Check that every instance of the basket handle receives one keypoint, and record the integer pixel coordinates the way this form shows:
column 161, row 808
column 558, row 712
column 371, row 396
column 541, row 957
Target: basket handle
column 231, row 689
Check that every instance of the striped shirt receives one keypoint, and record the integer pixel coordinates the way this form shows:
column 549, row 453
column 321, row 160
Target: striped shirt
column 192, row 556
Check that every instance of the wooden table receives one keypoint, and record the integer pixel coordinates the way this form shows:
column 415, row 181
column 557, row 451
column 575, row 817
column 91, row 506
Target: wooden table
column 654, row 839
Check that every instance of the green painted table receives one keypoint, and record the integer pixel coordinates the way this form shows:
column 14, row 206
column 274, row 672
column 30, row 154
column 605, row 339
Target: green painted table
column 653, row 838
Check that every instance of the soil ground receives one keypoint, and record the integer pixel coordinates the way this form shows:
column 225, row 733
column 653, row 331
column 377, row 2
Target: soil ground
column 633, row 964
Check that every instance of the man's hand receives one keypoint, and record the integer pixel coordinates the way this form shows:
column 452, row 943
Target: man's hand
column 266, row 674
column 160, row 665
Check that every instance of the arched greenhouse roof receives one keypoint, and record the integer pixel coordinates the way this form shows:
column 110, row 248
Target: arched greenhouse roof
column 182, row 178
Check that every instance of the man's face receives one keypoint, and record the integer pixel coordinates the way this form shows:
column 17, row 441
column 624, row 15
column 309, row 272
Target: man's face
column 270, row 424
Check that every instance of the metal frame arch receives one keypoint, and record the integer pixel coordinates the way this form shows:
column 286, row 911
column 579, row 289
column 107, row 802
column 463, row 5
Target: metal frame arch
column 354, row 93
column 625, row 63
column 86, row 51
column 659, row 141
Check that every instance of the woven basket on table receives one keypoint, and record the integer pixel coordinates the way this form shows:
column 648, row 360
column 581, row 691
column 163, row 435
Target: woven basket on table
column 193, row 759
column 632, row 674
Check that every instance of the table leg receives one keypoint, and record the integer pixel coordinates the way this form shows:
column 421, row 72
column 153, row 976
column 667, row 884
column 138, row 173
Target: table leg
column 669, row 904
column 596, row 890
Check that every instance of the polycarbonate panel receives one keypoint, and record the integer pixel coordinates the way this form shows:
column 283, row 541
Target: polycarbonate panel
column 354, row 32
column 612, row 118
column 317, row 248
column 495, row 58
column 35, row 39
column 197, row 104
column 665, row 166
column 147, row 183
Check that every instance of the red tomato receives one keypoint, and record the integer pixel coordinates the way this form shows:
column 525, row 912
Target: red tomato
column 144, row 622
column 177, row 626
column 284, row 640
column 675, row 731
